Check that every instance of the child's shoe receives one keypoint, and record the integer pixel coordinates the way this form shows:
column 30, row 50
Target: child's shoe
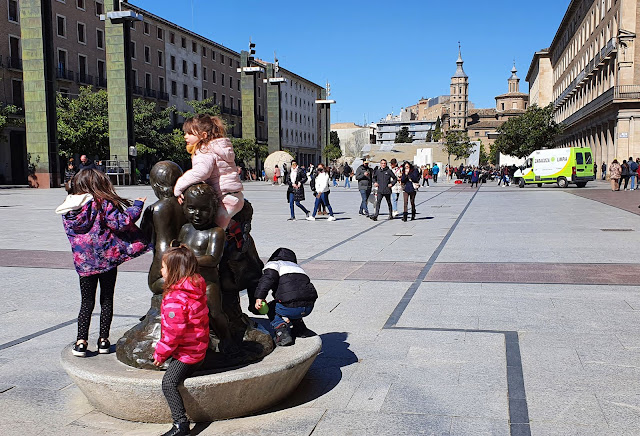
column 178, row 429
column 104, row 346
column 80, row 349
column 283, row 336
column 300, row 330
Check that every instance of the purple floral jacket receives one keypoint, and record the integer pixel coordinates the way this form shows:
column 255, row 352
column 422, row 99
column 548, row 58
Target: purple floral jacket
column 102, row 237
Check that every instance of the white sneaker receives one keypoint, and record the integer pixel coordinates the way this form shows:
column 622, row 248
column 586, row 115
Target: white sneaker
column 394, row 213
column 331, row 218
column 311, row 218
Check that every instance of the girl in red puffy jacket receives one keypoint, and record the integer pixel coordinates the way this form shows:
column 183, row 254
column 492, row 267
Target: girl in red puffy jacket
column 185, row 328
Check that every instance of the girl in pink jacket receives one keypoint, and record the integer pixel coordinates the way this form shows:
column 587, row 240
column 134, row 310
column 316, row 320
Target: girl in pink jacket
column 212, row 162
column 184, row 318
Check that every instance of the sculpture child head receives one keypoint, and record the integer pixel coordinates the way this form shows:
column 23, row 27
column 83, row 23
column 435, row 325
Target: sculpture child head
column 200, row 206
column 163, row 177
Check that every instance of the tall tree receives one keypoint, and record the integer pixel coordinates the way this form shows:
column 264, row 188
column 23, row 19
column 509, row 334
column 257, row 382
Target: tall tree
column 83, row 123
column 535, row 129
column 332, row 152
column 6, row 117
column 248, row 149
column 437, row 133
column 403, row 135
column 205, row 106
column 457, row 144
column 334, row 139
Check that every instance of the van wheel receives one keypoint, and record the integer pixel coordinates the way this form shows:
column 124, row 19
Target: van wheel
column 581, row 184
column 539, row 185
column 521, row 183
column 562, row 182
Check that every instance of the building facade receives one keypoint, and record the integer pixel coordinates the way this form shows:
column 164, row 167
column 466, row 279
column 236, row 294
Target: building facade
column 540, row 79
column 596, row 78
column 418, row 130
column 170, row 66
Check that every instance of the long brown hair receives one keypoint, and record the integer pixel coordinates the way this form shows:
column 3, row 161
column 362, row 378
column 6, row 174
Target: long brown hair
column 180, row 263
column 202, row 124
column 98, row 184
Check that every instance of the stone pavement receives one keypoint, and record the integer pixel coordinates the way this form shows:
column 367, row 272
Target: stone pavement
column 499, row 311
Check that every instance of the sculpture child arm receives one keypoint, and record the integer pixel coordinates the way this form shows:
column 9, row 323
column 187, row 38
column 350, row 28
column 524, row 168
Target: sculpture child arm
column 215, row 248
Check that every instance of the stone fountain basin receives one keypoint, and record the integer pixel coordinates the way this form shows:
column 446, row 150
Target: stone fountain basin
column 135, row 394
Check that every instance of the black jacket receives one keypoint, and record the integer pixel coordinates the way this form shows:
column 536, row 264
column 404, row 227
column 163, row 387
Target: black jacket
column 301, row 178
column 384, row 178
column 290, row 284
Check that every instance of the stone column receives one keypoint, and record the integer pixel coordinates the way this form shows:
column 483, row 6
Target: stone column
column 118, row 41
column 273, row 110
column 38, row 66
column 248, row 96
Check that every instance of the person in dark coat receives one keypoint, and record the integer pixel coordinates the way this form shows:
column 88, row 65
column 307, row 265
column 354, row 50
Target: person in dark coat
column 364, row 177
column 86, row 163
column 347, row 175
column 293, row 295
column 296, row 178
column 383, row 179
column 475, row 175
column 410, row 178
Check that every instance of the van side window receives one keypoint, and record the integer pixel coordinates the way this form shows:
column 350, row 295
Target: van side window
column 587, row 156
column 579, row 159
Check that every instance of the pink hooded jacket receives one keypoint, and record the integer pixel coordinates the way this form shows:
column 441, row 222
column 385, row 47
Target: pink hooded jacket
column 185, row 323
column 215, row 165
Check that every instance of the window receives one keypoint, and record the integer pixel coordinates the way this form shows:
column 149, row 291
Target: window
column 161, row 84
column 99, row 8
column 13, row 11
column 205, row 94
column 204, row 51
column 215, row 98
column 185, row 91
column 82, row 68
column 80, row 4
column 174, row 88
column 173, row 63
column 172, row 37
column 579, row 159
column 213, row 76
column 102, row 73
column 502, row 106
column 213, row 55
column 588, row 158
column 231, row 102
column 133, row 49
column 100, row 39
column 184, row 67
column 184, row 42
column 160, row 34
column 62, row 63
column 224, row 99
column 147, row 81
column 221, row 58
column 146, row 28
column 62, row 26
column 195, row 71
column 134, row 77
column 222, row 79
column 194, row 47
column 18, row 99
column 147, row 54
column 238, row 84
column 204, row 73
column 160, row 59
column 82, row 35
column 133, row 25
column 196, row 94
column 230, row 62
column 231, row 82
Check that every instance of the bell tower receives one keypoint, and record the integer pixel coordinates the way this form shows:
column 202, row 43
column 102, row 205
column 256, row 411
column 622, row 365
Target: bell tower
column 459, row 102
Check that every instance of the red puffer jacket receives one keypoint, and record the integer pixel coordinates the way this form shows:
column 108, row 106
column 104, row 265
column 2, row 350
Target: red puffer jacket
column 185, row 322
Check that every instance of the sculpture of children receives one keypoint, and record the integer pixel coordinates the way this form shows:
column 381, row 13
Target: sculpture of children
column 162, row 221
column 207, row 242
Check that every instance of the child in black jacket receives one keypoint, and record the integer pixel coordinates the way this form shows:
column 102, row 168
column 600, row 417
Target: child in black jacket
column 294, row 295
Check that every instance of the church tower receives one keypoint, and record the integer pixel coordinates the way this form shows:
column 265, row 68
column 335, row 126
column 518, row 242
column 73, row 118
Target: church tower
column 514, row 81
column 459, row 103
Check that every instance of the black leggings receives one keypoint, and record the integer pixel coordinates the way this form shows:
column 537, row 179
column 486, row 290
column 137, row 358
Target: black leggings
column 88, row 286
column 388, row 198
column 176, row 373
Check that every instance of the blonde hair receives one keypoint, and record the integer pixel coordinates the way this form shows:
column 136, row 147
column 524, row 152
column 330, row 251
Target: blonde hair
column 206, row 128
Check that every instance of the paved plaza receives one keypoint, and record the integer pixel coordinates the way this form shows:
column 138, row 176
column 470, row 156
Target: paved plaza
column 498, row 311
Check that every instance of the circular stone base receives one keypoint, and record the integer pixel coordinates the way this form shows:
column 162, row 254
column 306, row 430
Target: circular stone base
column 136, row 394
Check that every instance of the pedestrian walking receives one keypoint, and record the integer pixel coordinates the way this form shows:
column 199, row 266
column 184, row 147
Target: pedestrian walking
column 624, row 177
column 615, row 172
column 322, row 196
column 633, row 172
column 409, row 178
column 425, row 175
column 604, row 171
column 296, row 179
column 364, row 178
column 435, row 171
column 383, row 179
column 277, row 176
column 396, row 190
column 348, row 172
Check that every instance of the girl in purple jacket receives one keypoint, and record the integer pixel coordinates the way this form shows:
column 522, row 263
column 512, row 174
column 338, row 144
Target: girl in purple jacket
column 101, row 228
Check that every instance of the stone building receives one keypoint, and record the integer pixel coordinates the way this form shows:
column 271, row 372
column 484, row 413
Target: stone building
column 170, row 66
column 540, row 79
column 595, row 85
column 459, row 100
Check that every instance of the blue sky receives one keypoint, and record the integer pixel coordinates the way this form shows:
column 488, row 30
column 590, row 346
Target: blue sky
column 380, row 56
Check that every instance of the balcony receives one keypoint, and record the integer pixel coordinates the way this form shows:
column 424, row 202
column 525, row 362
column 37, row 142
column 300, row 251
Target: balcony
column 64, row 74
column 164, row 96
column 84, row 78
column 616, row 94
column 137, row 90
column 235, row 111
column 14, row 63
column 150, row 93
column 101, row 82
column 225, row 110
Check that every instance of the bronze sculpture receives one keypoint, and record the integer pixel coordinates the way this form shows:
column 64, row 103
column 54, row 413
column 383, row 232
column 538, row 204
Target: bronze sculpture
column 229, row 263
